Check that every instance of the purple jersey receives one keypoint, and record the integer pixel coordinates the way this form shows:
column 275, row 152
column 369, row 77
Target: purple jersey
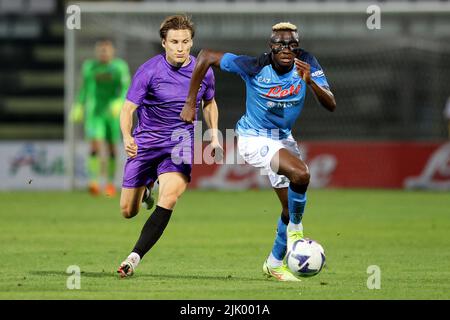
column 160, row 91
column 165, row 142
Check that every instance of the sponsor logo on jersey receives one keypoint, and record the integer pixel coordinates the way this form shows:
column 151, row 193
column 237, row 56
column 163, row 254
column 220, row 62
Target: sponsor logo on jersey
column 103, row 77
column 279, row 92
column 317, row 73
column 283, row 105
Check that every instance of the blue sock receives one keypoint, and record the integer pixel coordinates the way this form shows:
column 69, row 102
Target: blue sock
column 296, row 204
column 279, row 246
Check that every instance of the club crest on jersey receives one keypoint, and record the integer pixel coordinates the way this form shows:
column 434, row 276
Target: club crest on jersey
column 262, row 79
column 279, row 92
column 264, row 150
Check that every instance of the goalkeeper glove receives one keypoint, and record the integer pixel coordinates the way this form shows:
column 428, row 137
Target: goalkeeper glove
column 77, row 113
column 115, row 107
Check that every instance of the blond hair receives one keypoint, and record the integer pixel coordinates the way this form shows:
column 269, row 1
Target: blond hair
column 284, row 26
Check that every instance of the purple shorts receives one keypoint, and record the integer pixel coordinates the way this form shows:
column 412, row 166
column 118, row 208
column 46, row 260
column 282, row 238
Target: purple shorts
column 150, row 163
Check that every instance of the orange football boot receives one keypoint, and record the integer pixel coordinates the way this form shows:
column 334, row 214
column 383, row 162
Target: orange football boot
column 94, row 188
column 110, row 190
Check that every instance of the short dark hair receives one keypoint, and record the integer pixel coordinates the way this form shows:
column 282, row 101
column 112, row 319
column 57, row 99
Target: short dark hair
column 104, row 41
column 176, row 22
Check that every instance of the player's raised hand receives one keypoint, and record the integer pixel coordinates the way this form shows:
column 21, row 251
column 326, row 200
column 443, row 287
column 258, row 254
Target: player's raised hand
column 115, row 107
column 304, row 70
column 130, row 146
column 188, row 113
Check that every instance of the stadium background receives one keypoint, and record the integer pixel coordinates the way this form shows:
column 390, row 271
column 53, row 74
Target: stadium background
column 391, row 86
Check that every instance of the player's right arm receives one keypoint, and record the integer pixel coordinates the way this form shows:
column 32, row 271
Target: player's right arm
column 85, row 71
column 126, row 124
column 135, row 96
column 77, row 112
column 205, row 59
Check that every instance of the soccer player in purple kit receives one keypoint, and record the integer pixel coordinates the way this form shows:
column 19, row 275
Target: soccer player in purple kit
column 162, row 145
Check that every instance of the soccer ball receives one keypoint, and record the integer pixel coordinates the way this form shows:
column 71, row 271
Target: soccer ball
column 306, row 258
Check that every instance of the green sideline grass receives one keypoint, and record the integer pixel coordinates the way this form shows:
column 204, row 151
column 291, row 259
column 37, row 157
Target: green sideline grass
column 216, row 243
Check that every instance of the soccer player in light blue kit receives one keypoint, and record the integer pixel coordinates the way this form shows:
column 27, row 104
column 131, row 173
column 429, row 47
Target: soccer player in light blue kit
column 276, row 87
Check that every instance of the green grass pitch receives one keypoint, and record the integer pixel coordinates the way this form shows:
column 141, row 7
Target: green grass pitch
column 216, row 243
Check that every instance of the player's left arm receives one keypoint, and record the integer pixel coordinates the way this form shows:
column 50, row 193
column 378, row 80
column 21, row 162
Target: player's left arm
column 321, row 91
column 211, row 116
column 77, row 111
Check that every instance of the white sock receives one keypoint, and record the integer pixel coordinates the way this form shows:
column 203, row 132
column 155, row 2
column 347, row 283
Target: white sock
column 274, row 262
column 134, row 258
column 294, row 227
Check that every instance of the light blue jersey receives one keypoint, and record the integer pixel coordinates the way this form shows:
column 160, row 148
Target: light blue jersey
column 273, row 101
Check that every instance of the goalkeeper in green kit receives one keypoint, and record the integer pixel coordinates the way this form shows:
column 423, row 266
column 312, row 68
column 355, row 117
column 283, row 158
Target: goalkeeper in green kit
column 105, row 82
